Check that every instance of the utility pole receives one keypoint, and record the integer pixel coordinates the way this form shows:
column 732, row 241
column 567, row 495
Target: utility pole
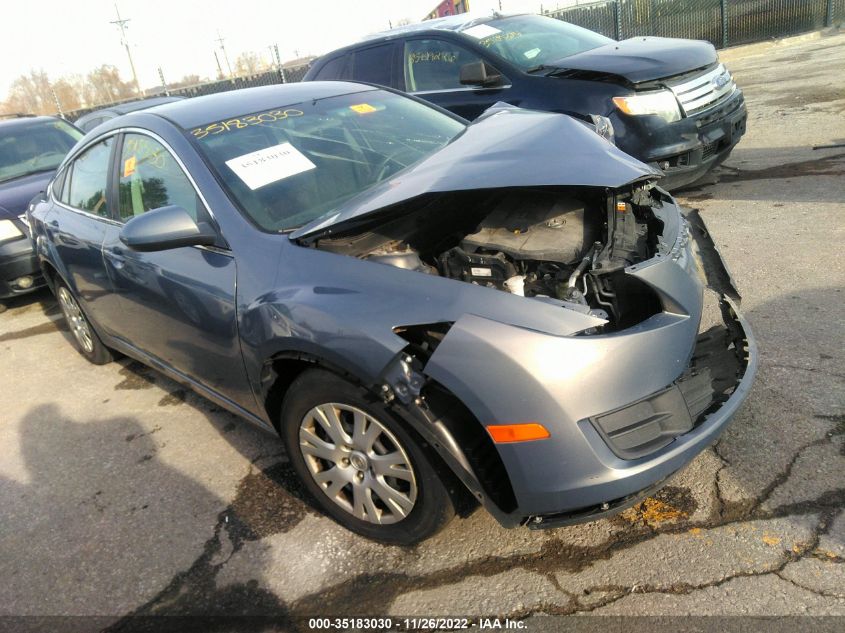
column 219, row 68
column 121, row 24
column 220, row 41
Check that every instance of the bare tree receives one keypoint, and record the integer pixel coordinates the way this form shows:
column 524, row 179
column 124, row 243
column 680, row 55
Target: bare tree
column 103, row 85
column 68, row 93
column 188, row 80
column 31, row 93
column 249, row 63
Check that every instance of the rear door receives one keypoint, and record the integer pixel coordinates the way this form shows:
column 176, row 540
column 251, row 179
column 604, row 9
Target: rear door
column 375, row 65
column 79, row 224
column 431, row 70
column 178, row 304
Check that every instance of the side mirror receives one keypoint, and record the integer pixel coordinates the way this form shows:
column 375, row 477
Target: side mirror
column 480, row 74
column 165, row 228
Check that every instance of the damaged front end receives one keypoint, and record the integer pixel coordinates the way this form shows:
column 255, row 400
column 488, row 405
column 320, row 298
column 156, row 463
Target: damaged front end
column 646, row 376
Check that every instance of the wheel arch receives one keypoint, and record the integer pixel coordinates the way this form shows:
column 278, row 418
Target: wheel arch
column 48, row 270
column 456, row 437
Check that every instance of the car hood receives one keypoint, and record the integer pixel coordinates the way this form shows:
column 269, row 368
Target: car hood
column 643, row 58
column 505, row 147
column 16, row 194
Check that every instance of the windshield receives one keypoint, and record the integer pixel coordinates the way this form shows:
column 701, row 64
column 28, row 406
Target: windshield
column 531, row 41
column 33, row 147
column 290, row 165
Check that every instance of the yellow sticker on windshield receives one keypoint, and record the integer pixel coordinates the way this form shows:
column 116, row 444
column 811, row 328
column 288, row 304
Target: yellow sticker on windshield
column 129, row 166
column 362, row 108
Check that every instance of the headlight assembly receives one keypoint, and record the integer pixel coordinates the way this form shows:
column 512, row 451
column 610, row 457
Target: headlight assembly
column 661, row 103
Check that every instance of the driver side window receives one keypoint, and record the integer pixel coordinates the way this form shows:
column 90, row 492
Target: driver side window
column 434, row 65
column 151, row 178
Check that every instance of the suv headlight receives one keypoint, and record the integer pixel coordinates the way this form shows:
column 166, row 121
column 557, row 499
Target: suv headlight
column 661, row 103
column 8, row 231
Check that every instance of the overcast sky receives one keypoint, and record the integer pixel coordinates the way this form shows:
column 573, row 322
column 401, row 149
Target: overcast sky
column 70, row 37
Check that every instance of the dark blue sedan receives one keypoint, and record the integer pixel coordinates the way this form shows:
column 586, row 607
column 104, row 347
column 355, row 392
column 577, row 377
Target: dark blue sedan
column 425, row 310
column 31, row 148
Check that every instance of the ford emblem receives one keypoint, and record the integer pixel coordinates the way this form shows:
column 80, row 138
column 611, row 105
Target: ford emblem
column 721, row 80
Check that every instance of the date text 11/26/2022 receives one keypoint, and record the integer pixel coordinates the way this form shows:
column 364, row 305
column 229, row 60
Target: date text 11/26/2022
column 414, row 624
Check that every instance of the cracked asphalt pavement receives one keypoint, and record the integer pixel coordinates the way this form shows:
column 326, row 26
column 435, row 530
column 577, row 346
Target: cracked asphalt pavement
column 121, row 494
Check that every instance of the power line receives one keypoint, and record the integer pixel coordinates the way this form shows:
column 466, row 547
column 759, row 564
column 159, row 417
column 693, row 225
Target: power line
column 121, row 24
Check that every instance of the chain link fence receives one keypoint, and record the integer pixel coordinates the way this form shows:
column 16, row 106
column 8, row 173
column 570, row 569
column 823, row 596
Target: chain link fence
column 266, row 78
column 721, row 22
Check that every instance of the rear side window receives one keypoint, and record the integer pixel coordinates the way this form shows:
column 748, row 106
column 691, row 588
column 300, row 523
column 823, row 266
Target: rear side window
column 90, row 124
column 434, row 64
column 337, row 68
column 373, row 65
column 88, row 177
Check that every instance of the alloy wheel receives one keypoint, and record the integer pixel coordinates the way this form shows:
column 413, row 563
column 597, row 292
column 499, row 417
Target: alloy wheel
column 76, row 320
column 358, row 463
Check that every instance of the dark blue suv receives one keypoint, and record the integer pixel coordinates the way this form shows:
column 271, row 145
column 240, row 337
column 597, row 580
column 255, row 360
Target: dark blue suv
column 669, row 101
column 30, row 150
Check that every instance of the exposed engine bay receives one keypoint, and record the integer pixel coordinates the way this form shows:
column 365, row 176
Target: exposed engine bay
column 569, row 244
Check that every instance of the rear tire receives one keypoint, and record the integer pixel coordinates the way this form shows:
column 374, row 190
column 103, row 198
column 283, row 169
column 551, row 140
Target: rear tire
column 360, row 463
column 84, row 337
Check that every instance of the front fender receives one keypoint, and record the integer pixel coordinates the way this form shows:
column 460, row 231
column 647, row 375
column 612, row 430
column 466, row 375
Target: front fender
column 508, row 375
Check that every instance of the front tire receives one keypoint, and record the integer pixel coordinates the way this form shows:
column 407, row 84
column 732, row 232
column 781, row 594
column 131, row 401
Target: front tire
column 84, row 337
column 359, row 462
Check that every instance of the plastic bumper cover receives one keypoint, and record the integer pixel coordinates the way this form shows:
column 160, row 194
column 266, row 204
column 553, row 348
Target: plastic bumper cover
column 17, row 259
column 685, row 150
column 654, row 471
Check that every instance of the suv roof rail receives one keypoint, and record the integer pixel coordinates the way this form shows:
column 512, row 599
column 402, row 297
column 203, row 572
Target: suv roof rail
column 16, row 115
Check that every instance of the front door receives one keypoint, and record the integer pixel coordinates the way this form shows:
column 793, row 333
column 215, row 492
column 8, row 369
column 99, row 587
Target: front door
column 432, row 69
column 178, row 304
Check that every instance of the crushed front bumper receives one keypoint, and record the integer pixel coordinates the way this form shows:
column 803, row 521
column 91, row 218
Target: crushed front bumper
column 507, row 375
column 731, row 371
column 687, row 149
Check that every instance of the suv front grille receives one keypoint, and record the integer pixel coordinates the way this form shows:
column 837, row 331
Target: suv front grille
column 704, row 91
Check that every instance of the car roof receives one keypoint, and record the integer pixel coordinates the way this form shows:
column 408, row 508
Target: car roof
column 141, row 104
column 124, row 108
column 188, row 113
column 447, row 23
column 450, row 23
column 25, row 120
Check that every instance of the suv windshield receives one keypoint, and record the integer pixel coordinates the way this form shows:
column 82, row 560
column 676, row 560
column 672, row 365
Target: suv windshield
column 530, row 41
column 35, row 146
column 290, row 165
